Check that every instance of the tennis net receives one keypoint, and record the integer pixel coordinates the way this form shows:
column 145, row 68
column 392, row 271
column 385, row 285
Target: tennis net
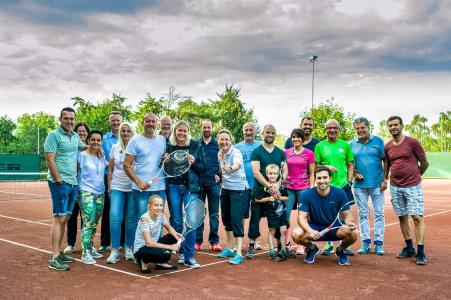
column 23, row 186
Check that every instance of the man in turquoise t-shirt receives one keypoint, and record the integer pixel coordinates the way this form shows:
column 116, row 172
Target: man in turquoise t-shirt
column 336, row 155
column 61, row 148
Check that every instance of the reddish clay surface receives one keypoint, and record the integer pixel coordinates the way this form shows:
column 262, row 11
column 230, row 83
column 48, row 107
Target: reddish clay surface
column 24, row 272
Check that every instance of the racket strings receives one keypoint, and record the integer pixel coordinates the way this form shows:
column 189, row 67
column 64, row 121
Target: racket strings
column 176, row 164
column 195, row 214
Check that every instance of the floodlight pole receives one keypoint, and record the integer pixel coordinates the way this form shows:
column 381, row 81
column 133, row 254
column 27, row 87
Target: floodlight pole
column 313, row 59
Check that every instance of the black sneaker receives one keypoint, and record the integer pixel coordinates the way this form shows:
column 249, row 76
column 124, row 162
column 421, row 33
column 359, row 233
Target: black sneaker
column 421, row 260
column 407, row 253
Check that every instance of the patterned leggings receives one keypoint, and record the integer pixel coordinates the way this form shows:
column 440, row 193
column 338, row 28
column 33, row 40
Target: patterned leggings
column 91, row 207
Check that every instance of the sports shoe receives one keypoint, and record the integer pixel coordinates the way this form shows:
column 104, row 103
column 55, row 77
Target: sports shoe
column 281, row 255
column 348, row 251
column 122, row 248
column 57, row 264
column 236, row 260
column 272, row 254
column 95, row 253
column 257, row 246
column 379, row 250
column 129, row 253
column 197, row 246
column 69, row 249
column 103, row 249
column 227, row 252
column 87, row 258
column 191, row 263
column 365, row 249
column 216, row 248
column 328, row 249
column 310, row 254
column 250, row 254
column 421, row 260
column 342, row 257
column 181, row 259
column 65, row 258
column 113, row 258
column 407, row 253
column 290, row 254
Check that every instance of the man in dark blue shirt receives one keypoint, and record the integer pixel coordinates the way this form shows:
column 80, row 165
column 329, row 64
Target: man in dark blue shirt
column 309, row 141
column 318, row 209
column 209, row 187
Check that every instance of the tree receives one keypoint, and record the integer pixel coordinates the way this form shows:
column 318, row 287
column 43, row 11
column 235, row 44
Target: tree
column 96, row 115
column 7, row 127
column 383, row 132
column 331, row 110
column 442, row 130
column 419, row 130
column 229, row 112
column 34, row 128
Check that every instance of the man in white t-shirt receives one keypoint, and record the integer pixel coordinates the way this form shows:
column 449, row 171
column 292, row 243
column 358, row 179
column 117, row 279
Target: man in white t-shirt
column 142, row 164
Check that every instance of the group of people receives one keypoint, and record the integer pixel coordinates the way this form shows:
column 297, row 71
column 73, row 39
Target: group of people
column 111, row 178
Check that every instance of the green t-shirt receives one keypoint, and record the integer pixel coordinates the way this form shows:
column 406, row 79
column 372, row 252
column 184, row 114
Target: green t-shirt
column 336, row 154
column 65, row 146
column 277, row 156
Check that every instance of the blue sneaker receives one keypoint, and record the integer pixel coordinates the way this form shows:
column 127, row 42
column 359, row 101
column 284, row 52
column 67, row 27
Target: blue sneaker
column 365, row 249
column 348, row 251
column 328, row 249
column 236, row 260
column 310, row 255
column 227, row 252
column 342, row 257
column 181, row 259
column 378, row 250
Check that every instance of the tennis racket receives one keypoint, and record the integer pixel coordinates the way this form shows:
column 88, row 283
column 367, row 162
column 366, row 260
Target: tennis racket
column 193, row 216
column 340, row 224
column 292, row 163
column 174, row 165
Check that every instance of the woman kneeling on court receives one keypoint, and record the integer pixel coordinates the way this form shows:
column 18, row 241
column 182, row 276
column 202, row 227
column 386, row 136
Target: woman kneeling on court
column 149, row 247
column 234, row 200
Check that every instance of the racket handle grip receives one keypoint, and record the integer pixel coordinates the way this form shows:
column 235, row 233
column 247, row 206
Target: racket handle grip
column 324, row 231
column 179, row 242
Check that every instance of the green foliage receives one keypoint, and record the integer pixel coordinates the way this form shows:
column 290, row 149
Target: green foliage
column 442, row 130
column 383, row 131
column 7, row 127
column 34, row 128
column 331, row 110
column 96, row 115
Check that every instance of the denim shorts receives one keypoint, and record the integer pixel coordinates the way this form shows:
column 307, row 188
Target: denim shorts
column 407, row 200
column 63, row 198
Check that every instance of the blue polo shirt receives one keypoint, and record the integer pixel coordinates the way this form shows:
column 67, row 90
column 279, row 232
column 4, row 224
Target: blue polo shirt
column 323, row 210
column 368, row 161
column 246, row 150
column 109, row 139
column 211, row 160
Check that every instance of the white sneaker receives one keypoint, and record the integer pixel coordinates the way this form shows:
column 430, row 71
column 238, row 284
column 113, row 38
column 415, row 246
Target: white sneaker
column 69, row 249
column 95, row 254
column 257, row 246
column 87, row 258
column 181, row 259
column 113, row 258
column 129, row 253
column 192, row 264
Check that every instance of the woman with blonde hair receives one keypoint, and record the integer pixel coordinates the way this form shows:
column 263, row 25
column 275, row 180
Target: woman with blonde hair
column 120, row 189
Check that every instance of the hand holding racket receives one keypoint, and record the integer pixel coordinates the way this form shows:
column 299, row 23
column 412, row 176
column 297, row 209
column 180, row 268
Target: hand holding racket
column 175, row 164
column 193, row 216
column 338, row 222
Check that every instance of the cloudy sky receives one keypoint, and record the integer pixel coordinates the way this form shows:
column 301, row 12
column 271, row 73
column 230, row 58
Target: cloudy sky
column 376, row 58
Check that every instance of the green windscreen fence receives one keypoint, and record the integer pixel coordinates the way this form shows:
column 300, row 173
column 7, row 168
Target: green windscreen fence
column 19, row 167
column 439, row 165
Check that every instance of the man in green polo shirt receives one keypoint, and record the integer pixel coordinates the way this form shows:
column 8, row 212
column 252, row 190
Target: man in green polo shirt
column 336, row 155
column 61, row 148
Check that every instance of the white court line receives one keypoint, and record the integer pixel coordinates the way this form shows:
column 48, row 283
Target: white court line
column 427, row 216
column 94, row 265
column 23, row 220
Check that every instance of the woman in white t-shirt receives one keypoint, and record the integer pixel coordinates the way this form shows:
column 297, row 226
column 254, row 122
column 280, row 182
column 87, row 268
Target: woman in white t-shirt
column 91, row 165
column 120, row 189
column 149, row 247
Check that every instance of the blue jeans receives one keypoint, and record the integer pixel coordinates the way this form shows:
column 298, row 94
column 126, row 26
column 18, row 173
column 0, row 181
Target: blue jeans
column 140, row 201
column 210, row 192
column 63, row 198
column 377, row 196
column 121, row 207
column 293, row 196
column 179, row 195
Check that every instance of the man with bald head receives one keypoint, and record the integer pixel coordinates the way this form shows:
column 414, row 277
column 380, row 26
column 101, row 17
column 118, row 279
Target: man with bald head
column 142, row 164
column 336, row 154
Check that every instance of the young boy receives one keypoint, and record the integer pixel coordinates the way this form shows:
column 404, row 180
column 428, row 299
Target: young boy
column 276, row 212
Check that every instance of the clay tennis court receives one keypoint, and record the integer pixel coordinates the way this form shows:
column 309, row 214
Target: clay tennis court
column 25, row 219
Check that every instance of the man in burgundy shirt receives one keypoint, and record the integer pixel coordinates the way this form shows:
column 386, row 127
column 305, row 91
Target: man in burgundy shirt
column 406, row 161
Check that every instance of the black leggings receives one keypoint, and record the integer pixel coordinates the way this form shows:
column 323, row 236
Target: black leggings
column 156, row 255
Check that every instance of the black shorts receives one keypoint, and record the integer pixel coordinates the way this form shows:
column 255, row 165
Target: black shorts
column 328, row 236
column 275, row 220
